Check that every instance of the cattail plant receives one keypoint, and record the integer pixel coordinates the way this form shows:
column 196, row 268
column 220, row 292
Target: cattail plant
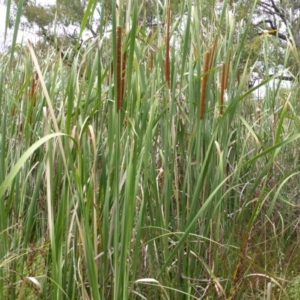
column 110, row 73
column 195, row 51
column 212, row 51
column 119, row 68
column 227, row 70
column 258, row 111
column 223, row 83
column 238, row 77
column 151, row 54
column 204, row 83
column 140, row 203
column 33, row 93
column 167, row 56
column 124, row 59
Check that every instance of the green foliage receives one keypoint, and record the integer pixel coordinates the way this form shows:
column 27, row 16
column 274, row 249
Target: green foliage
column 69, row 12
column 38, row 15
column 293, row 289
column 149, row 201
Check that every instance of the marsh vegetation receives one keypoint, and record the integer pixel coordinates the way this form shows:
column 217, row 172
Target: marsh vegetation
column 145, row 169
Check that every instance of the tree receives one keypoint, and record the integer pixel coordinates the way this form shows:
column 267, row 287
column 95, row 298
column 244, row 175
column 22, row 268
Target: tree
column 281, row 19
column 278, row 14
column 67, row 17
column 278, row 22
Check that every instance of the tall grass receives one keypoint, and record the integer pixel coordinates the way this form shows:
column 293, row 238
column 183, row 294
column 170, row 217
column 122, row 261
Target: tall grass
column 112, row 187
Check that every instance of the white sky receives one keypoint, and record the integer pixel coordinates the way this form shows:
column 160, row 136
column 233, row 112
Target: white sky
column 21, row 34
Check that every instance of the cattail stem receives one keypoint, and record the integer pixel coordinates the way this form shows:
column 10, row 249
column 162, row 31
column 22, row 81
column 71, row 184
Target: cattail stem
column 227, row 70
column 204, row 83
column 151, row 60
column 212, row 52
column 124, row 59
column 195, row 53
column 167, row 59
column 223, row 84
column 33, row 92
column 119, row 68
column 224, row 81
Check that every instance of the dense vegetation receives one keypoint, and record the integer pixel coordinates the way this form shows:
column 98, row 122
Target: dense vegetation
column 146, row 168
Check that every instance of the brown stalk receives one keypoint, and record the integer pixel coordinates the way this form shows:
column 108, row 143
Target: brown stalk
column 239, row 270
column 167, row 59
column 204, row 83
column 223, row 84
column 119, row 68
column 33, row 90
